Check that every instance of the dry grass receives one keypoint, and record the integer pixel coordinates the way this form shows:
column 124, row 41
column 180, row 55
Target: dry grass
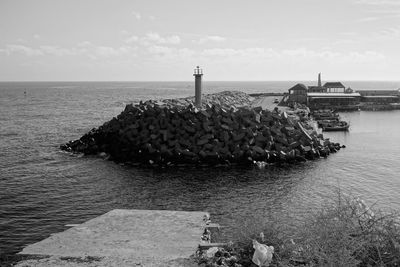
column 346, row 233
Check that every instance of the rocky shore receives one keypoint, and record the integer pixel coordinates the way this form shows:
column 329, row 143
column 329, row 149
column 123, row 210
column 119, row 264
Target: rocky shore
column 226, row 130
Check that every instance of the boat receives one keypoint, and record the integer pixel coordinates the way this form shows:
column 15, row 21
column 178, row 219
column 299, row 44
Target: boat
column 328, row 121
column 335, row 126
column 325, row 115
column 276, row 100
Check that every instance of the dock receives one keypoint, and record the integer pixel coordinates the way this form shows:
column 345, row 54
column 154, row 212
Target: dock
column 124, row 238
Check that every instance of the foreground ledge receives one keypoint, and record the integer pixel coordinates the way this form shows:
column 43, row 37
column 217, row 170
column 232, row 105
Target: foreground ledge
column 124, row 237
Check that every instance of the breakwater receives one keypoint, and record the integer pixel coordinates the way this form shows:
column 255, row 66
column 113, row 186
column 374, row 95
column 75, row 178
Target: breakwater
column 169, row 132
column 266, row 94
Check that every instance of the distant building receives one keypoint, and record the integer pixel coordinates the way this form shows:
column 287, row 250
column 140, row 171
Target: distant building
column 330, row 95
column 298, row 93
column 380, row 96
column 333, row 100
column 334, row 95
column 334, row 87
column 379, row 92
column 319, row 88
column 316, row 89
column 380, row 99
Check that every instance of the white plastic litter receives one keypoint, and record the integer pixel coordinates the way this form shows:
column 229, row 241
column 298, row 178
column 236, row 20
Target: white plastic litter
column 211, row 252
column 262, row 254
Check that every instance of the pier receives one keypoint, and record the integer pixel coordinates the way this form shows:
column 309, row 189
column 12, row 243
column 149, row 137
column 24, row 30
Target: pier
column 124, row 238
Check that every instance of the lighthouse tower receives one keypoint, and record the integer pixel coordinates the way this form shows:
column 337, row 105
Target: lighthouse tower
column 198, row 74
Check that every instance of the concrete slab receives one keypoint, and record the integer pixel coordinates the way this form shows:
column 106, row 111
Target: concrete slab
column 266, row 102
column 150, row 237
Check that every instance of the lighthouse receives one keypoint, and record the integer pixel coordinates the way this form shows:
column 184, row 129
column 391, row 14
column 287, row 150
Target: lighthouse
column 198, row 73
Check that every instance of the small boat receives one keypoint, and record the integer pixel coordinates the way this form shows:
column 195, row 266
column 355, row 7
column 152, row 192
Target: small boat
column 325, row 115
column 335, row 126
column 324, row 122
column 276, row 100
column 321, row 118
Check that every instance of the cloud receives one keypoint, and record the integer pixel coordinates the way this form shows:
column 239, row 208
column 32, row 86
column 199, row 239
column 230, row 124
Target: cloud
column 170, row 54
column 21, row 40
column 207, row 39
column 152, row 38
column 379, row 2
column 220, row 52
column 254, row 52
column 140, row 16
column 288, row 55
column 155, row 37
column 334, row 56
column 96, row 52
column 28, row 51
column 348, row 33
column 84, row 44
column 367, row 56
column 157, row 49
column 106, row 51
column 132, row 39
column 380, row 9
column 367, row 19
column 58, row 51
column 81, row 49
column 36, row 36
column 124, row 32
column 303, row 53
column 390, row 33
column 137, row 15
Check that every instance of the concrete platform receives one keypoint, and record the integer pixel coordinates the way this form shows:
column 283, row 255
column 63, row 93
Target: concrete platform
column 141, row 237
column 266, row 102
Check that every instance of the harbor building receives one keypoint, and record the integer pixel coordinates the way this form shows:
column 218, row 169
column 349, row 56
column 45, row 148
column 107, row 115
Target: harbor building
column 380, row 96
column 330, row 95
column 298, row 94
column 334, row 87
column 337, row 101
column 319, row 88
column 334, row 95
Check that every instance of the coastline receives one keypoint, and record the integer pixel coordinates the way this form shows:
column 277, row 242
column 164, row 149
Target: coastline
column 354, row 131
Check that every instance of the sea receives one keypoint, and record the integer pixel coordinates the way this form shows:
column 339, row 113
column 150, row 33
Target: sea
column 43, row 188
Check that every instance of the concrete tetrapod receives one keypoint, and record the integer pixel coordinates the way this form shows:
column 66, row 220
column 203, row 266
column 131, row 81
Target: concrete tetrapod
column 153, row 134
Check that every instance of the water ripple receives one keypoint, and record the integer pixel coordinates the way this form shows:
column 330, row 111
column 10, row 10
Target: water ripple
column 42, row 189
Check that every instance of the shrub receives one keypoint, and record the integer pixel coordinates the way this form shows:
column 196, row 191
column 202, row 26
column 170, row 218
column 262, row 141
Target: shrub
column 349, row 233
column 343, row 233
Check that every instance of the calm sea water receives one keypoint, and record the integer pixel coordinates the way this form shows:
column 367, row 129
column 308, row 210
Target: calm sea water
column 42, row 188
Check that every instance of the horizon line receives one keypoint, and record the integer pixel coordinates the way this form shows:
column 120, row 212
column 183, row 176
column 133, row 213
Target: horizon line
column 204, row 81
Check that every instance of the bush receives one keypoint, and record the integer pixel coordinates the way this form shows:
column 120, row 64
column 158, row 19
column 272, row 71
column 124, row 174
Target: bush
column 345, row 233
column 351, row 234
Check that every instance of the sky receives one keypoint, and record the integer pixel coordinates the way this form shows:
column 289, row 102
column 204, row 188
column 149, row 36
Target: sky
column 164, row 40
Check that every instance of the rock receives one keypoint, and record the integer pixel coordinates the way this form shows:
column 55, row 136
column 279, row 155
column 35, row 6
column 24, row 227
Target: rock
column 173, row 132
